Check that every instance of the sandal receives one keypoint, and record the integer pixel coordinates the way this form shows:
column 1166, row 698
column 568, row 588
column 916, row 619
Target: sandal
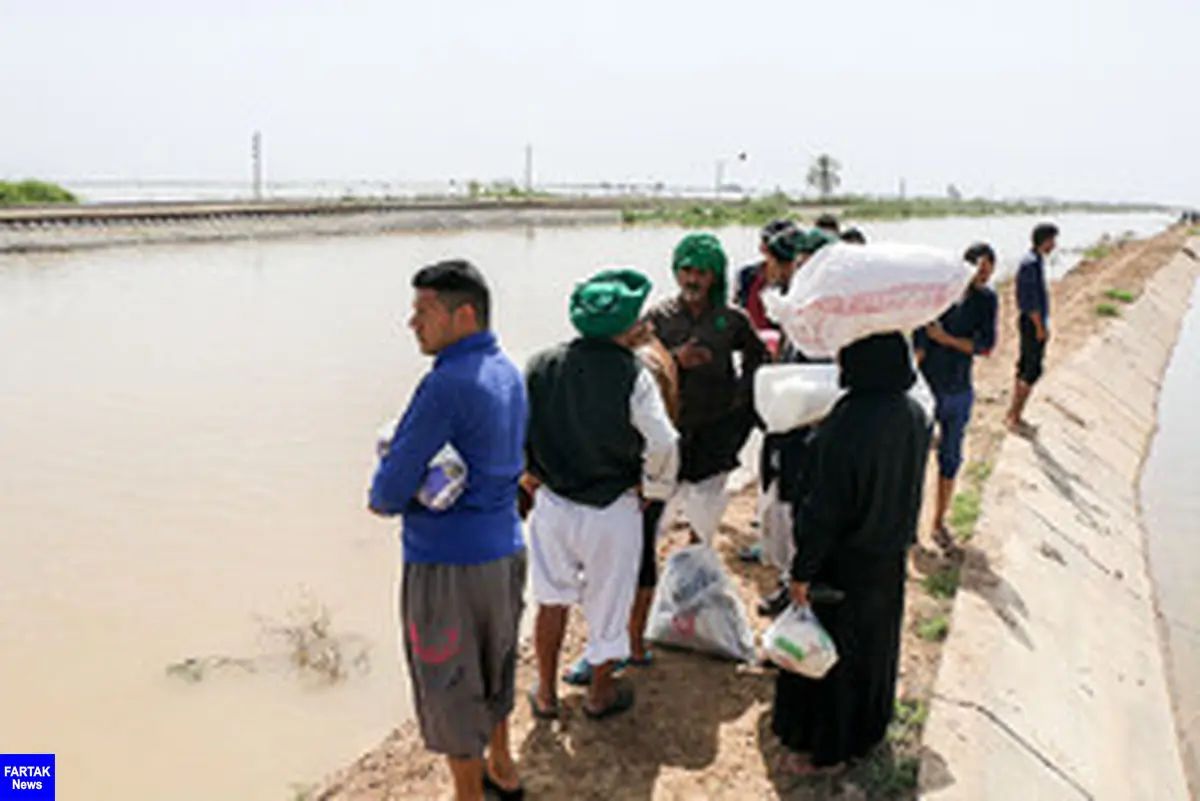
column 944, row 539
column 492, row 786
column 580, row 674
column 538, row 712
column 623, row 702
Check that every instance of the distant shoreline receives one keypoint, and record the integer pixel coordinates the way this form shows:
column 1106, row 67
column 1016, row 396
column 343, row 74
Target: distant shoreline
column 59, row 228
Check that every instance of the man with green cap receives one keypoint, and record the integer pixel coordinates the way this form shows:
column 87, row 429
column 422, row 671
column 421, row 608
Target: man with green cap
column 599, row 437
column 703, row 332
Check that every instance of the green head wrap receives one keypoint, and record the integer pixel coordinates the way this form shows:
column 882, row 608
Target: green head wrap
column 704, row 252
column 608, row 303
column 816, row 239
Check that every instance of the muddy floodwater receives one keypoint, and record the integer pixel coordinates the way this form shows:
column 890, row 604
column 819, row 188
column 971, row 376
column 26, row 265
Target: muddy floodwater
column 186, row 434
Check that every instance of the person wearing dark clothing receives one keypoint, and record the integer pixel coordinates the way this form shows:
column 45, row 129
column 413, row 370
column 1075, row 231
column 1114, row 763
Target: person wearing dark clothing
column 716, row 413
column 853, row 236
column 854, row 527
column 779, row 245
column 946, row 350
column 1033, row 301
column 783, row 458
column 828, row 223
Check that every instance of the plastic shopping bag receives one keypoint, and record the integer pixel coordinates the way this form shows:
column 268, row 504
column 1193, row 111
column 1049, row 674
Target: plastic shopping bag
column 788, row 396
column 445, row 476
column 797, row 642
column 848, row 292
column 445, row 479
column 696, row 607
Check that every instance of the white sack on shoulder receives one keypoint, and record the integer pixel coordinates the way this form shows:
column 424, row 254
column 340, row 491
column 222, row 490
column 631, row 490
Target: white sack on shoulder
column 848, row 292
column 788, row 396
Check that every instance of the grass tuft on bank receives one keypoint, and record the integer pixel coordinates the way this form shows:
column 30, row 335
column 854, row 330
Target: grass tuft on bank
column 33, row 193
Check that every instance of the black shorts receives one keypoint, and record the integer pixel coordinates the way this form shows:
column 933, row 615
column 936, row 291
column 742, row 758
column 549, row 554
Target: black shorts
column 1033, row 352
column 648, row 573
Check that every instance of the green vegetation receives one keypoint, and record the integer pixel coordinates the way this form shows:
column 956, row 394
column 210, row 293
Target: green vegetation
column 934, row 629
column 943, row 583
column 850, row 208
column 1122, row 295
column 715, row 215
column 33, row 193
column 1107, row 310
column 891, row 771
column 964, row 511
column 501, row 190
column 885, row 776
column 978, row 472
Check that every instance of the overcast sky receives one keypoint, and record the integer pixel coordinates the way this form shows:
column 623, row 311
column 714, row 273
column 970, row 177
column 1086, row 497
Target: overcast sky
column 1019, row 97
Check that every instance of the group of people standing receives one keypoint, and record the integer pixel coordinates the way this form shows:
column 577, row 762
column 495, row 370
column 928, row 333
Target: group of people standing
column 604, row 439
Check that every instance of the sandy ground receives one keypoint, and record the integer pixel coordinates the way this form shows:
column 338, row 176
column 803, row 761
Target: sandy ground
column 701, row 728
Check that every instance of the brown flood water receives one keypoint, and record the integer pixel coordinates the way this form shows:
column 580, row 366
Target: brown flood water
column 186, row 435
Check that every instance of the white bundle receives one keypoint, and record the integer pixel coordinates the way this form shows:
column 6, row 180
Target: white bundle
column 848, row 292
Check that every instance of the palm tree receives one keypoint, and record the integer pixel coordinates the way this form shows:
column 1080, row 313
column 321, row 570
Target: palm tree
column 823, row 174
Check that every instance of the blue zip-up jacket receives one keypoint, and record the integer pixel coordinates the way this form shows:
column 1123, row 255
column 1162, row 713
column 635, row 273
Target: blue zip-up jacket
column 474, row 399
column 1031, row 286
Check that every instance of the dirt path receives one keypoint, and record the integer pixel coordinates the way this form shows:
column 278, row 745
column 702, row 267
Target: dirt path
column 702, row 728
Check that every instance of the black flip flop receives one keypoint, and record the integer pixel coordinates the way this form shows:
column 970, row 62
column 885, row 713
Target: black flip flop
column 492, row 786
column 536, row 709
column 622, row 703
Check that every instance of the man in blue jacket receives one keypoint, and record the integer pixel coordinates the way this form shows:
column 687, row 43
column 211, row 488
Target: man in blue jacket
column 1033, row 300
column 464, row 565
column 946, row 350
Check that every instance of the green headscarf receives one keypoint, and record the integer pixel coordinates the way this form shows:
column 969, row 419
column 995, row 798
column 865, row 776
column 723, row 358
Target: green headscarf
column 608, row 303
column 704, row 252
column 816, row 239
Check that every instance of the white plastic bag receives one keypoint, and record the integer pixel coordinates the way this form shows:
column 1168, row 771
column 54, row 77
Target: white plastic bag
column 797, row 642
column 848, row 292
column 788, row 396
column 696, row 607
column 445, row 480
column 446, row 474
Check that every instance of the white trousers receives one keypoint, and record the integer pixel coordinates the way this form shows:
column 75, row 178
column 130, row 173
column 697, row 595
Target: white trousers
column 703, row 505
column 775, row 523
column 588, row 556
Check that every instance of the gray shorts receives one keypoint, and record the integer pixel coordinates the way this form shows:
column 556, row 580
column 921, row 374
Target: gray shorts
column 460, row 639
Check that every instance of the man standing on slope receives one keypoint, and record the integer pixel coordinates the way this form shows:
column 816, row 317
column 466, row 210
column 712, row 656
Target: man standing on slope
column 464, row 564
column 946, row 350
column 598, row 430
column 1033, row 301
column 716, row 414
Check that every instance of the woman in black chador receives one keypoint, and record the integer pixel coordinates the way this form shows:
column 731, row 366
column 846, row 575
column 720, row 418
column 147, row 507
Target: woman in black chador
column 861, row 499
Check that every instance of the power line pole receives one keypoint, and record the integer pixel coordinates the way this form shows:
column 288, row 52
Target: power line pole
column 528, row 169
column 256, row 157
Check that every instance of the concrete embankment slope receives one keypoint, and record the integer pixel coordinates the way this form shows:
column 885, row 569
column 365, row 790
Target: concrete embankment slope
column 1053, row 683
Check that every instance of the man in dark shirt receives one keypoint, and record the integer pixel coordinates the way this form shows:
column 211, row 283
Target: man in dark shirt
column 703, row 332
column 1033, row 301
column 946, row 349
column 778, row 244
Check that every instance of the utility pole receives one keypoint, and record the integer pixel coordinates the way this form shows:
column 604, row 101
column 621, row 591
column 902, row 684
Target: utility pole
column 528, row 169
column 256, row 157
column 720, row 178
column 903, row 189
